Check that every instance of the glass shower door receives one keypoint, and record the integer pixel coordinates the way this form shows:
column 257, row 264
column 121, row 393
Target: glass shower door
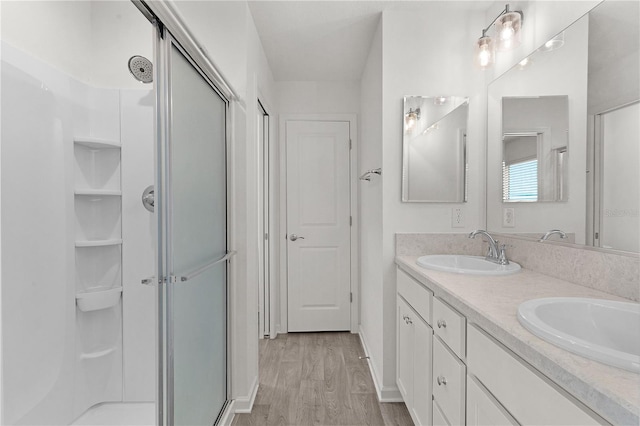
column 195, row 209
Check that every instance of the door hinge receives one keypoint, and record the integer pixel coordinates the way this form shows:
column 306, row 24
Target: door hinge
column 266, row 236
column 350, row 220
column 597, row 235
column 350, row 144
column 351, row 297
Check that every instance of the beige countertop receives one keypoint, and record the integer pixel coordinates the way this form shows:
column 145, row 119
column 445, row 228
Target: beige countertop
column 492, row 303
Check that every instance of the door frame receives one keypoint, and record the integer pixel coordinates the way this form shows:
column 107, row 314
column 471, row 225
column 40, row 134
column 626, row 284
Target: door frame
column 353, row 208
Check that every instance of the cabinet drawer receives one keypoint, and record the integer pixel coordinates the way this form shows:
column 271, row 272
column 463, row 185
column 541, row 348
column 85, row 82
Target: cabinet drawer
column 513, row 383
column 448, row 383
column 450, row 326
column 413, row 292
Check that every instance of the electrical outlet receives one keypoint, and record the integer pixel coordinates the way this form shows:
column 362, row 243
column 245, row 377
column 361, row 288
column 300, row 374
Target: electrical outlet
column 457, row 217
column 508, row 217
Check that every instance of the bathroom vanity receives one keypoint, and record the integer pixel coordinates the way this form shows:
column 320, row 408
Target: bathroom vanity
column 463, row 357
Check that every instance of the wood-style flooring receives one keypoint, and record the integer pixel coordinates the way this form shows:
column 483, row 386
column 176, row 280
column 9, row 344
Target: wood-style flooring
column 318, row 379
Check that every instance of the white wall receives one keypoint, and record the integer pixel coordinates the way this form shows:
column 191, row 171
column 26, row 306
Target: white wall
column 429, row 70
column 91, row 41
column 318, row 97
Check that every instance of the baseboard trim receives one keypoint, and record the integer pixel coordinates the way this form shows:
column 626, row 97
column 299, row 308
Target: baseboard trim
column 384, row 393
column 244, row 405
column 228, row 415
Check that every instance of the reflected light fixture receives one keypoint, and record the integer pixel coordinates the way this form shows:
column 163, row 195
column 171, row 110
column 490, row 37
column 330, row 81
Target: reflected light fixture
column 440, row 100
column 410, row 119
column 553, row 44
column 507, row 25
column 524, row 63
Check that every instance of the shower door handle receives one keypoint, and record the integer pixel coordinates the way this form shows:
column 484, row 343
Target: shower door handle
column 207, row 266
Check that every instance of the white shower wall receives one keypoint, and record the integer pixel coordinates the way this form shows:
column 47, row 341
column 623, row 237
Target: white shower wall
column 46, row 381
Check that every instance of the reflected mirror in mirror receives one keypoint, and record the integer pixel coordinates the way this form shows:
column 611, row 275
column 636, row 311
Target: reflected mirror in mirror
column 595, row 64
column 534, row 148
column 434, row 149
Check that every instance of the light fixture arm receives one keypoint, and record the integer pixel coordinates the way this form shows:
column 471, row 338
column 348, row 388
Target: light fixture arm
column 504, row 12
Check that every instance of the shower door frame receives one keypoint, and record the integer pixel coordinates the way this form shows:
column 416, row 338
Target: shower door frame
column 169, row 29
column 166, row 268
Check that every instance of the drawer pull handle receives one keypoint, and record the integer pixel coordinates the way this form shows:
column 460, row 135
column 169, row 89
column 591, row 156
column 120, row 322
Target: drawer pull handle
column 441, row 380
column 442, row 324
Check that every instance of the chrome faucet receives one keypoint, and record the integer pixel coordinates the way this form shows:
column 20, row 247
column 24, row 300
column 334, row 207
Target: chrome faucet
column 553, row 231
column 496, row 253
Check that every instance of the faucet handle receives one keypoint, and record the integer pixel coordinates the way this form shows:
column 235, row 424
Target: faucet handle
column 502, row 255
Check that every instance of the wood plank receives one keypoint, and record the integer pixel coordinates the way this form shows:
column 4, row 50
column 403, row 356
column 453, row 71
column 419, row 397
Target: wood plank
column 313, row 357
column 285, row 400
column 395, row 414
column 367, row 409
column 336, row 387
column 318, row 379
column 359, row 378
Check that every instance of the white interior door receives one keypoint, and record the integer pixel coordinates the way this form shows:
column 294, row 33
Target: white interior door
column 318, row 225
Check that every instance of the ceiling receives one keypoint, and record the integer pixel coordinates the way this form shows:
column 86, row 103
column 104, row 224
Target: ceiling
column 328, row 40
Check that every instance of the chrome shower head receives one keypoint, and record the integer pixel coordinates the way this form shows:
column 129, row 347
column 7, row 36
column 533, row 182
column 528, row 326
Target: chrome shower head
column 141, row 68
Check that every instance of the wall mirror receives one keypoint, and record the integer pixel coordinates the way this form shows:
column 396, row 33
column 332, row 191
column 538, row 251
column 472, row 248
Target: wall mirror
column 534, row 148
column 434, row 149
column 587, row 171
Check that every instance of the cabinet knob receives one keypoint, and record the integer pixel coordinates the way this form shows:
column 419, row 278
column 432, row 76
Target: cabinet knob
column 441, row 380
column 442, row 324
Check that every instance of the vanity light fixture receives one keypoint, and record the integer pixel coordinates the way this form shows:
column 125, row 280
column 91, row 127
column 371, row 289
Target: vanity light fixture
column 410, row 119
column 507, row 25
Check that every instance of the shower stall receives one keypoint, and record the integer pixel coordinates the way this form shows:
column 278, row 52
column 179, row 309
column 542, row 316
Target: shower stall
column 114, row 310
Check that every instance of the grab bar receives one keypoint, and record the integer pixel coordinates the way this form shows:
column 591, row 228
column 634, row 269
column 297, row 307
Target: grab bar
column 207, row 266
column 367, row 175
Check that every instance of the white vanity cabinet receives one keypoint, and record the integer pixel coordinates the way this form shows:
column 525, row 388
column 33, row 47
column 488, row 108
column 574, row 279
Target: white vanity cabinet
column 458, row 374
column 521, row 390
column 414, row 340
column 449, row 370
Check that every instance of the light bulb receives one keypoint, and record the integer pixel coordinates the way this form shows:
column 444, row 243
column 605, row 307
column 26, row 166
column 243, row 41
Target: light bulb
column 485, row 56
column 508, row 30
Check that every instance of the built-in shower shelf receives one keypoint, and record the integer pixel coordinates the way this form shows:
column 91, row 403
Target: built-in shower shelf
column 94, row 143
column 97, row 300
column 114, row 192
column 98, row 354
column 98, row 243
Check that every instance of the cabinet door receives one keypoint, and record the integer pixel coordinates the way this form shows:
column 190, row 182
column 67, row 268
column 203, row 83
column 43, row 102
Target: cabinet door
column 482, row 409
column 422, row 356
column 404, row 357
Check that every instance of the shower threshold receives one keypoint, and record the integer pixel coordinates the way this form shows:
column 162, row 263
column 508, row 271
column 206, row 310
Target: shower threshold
column 119, row 414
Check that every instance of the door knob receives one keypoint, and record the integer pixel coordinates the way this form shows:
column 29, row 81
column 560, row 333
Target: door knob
column 294, row 237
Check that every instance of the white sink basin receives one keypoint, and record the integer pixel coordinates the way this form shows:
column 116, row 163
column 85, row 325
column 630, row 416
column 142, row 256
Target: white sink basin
column 459, row 264
column 603, row 330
